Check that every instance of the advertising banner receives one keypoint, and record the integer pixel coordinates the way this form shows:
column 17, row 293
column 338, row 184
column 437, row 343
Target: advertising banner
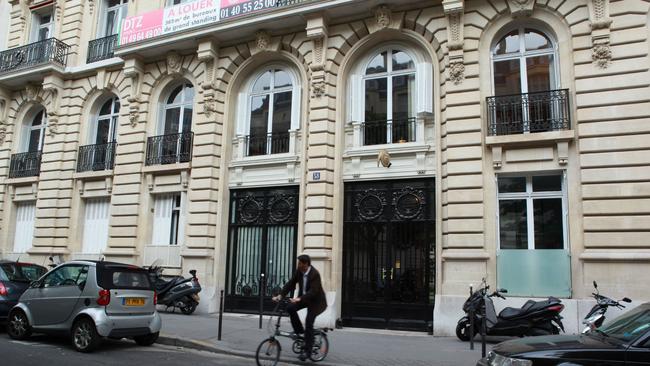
column 168, row 20
column 235, row 8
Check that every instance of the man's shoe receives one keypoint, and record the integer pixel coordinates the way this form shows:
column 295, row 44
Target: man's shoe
column 302, row 356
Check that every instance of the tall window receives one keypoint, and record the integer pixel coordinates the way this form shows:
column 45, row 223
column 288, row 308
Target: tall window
column 168, row 219
column 178, row 110
column 389, row 84
column 43, row 27
column 115, row 11
column 270, row 113
column 36, row 132
column 531, row 212
column 106, row 126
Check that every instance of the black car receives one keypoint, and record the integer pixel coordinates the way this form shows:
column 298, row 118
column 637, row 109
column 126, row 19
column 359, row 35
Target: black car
column 15, row 278
column 623, row 341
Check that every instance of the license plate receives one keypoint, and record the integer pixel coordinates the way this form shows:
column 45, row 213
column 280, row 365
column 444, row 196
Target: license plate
column 134, row 301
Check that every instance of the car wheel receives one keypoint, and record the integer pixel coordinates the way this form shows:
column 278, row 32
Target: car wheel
column 146, row 340
column 18, row 325
column 462, row 330
column 84, row 335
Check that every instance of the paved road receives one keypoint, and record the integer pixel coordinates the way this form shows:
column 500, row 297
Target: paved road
column 57, row 351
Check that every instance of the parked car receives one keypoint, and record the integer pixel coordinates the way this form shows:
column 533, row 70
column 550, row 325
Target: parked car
column 15, row 278
column 623, row 341
column 89, row 300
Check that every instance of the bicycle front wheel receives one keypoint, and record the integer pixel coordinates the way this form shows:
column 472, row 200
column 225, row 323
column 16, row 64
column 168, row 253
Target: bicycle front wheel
column 320, row 348
column 268, row 352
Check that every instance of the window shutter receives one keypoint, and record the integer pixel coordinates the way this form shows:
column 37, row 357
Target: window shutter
column 162, row 220
column 181, row 219
column 95, row 230
column 356, row 99
column 24, row 234
column 295, row 106
column 424, row 85
column 242, row 114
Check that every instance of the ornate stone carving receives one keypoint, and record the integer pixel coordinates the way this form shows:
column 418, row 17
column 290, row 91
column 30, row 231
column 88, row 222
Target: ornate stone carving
column 521, row 8
column 174, row 63
column 91, row 6
column 33, row 92
column 133, row 69
column 383, row 16
column 263, row 40
column 455, row 36
column 209, row 104
column 3, row 132
column 318, row 88
column 58, row 10
column 457, row 72
column 601, row 54
column 133, row 116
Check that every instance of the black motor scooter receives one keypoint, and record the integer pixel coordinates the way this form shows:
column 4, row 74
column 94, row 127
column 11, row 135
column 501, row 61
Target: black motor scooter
column 534, row 318
column 178, row 292
column 596, row 315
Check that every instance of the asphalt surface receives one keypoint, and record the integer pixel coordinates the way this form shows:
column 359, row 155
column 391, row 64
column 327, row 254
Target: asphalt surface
column 55, row 351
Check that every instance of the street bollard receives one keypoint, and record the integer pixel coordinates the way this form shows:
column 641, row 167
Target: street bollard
column 261, row 289
column 220, row 315
column 483, row 330
column 471, row 321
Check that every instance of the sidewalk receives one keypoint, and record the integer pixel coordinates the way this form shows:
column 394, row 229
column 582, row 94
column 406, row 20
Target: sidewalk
column 349, row 346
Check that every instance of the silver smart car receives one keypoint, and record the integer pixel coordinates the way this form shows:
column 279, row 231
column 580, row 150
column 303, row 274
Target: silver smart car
column 89, row 300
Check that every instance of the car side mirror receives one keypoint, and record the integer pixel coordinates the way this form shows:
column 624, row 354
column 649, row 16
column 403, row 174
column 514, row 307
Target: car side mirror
column 626, row 299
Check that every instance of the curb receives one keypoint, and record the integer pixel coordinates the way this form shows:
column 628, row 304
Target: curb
column 210, row 347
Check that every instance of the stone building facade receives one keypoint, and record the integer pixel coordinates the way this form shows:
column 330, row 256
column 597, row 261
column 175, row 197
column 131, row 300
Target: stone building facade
column 411, row 148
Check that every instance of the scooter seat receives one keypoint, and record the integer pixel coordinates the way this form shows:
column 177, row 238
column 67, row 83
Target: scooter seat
column 162, row 285
column 529, row 307
column 508, row 313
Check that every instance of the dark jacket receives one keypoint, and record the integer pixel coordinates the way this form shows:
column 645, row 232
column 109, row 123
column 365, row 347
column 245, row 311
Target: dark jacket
column 313, row 295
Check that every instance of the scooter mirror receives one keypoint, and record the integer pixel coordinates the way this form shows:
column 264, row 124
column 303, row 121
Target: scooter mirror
column 627, row 299
column 595, row 284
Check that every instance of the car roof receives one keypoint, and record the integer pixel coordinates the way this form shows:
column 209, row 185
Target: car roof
column 103, row 264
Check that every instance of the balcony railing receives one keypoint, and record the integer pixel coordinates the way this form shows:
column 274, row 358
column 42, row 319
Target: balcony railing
column 530, row 112
column 27, row 164
column 101, row 48
column 37, row 53
column 389, row 131
column 273, row 143
column 169, row 149
column 96, row 157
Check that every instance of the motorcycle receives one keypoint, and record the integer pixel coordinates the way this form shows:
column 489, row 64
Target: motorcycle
column 533, row 318
column 596, row 316
column 177, row 292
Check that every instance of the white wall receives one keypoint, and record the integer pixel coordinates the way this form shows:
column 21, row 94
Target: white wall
column 5, row 12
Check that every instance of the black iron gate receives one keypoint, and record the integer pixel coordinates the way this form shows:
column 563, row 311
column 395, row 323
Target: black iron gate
column 263, row 231
column 389, row 254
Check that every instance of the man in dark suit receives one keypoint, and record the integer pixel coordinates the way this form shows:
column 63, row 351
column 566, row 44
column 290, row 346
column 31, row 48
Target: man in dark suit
column 310, row 296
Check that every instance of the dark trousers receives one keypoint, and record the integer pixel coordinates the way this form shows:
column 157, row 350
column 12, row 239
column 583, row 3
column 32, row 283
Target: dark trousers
column 292, row 309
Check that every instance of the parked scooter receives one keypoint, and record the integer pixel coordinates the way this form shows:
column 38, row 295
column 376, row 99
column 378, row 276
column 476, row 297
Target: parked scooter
column 534, row 318
column 596, row 315
column 178, row 292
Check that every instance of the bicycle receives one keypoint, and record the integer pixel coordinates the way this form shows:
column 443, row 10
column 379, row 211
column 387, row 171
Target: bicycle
column 268, row 352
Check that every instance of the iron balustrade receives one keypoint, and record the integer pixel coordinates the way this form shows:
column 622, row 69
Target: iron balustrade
column 27, row 164
column 389, row 131
column 272, row 143
column 37, row 53
column 529, row 112
column 96, row 157
column 169, row 149
column 101, row 48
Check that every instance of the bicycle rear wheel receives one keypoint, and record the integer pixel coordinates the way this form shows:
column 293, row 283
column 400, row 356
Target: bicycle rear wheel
column 321, row 346
column 268, row 352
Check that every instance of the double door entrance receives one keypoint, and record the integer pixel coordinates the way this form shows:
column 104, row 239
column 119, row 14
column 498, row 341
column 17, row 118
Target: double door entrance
column 389, row 254
column 263, row 232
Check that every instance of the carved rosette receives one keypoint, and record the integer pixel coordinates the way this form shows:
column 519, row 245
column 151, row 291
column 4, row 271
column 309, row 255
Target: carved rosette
column 601, row 54
column 457, row 72
column 383, row 17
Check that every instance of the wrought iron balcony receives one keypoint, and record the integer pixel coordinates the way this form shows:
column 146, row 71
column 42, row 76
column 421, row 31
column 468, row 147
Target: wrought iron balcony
column 50, row 50
column 530, row 112
column 27, row 164
column 389, row 131
column 272, row 143
column 101, row 48
column 169, row 149
column 96, row 157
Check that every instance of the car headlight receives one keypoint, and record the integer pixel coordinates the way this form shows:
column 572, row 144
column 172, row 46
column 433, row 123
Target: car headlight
column 495, row 359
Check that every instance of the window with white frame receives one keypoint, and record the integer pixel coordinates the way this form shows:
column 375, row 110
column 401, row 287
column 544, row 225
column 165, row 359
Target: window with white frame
column 34, row 136
column 43, row 26
column 532, row 212
column 95, row 228
column 168, row 219
column 24, row 229
column 270, row 113
column 105, row 129
column 388, row 89
column 113, row 13
column 177, row 110
column 175, row 143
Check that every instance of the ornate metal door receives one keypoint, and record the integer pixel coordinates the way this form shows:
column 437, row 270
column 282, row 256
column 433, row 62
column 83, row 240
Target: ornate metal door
column 388, row 254
column 261, row 245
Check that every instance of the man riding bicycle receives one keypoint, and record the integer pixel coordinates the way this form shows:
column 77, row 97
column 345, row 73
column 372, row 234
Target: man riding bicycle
column 310, row 296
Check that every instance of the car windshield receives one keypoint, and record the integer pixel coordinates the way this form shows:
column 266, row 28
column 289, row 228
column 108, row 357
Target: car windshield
column 630, row 325
column 21, row 272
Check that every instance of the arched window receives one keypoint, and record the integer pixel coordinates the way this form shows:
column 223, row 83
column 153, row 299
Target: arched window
column 105, row 129
column 178, row 110
column 525, row 81
column 36, row 131
column 270, row 113
column 100, row 153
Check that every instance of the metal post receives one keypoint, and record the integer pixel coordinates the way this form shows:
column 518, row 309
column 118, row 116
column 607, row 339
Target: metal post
column 471, row 322
column 220, row 315
column 483, row 330
column 261, row 289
